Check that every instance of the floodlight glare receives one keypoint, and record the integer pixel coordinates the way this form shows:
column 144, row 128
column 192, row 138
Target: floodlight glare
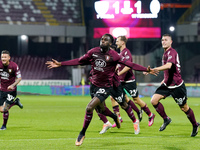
column 171, row 28
column 24, row 37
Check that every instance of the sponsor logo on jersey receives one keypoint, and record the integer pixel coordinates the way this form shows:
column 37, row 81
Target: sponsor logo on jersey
column 100, row 64
column 4, row 75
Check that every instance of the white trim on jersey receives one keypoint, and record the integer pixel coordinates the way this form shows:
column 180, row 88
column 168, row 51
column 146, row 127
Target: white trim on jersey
column 175, row 86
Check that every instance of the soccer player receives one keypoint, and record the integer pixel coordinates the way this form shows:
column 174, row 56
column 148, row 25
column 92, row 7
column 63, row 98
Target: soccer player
column 10, row 77
column 115, row 106
column 103, row 63
column 128, row 80
column 173, row 85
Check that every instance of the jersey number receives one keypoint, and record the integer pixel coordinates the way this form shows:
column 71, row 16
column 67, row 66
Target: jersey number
column 10, row 97
column 132, row 92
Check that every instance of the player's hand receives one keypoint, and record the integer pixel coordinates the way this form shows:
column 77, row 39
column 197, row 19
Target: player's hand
column 152, row 71
column 145, row 73
column 11, row 87
column 53, row 64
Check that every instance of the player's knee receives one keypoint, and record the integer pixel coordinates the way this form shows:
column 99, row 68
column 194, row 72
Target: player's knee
column 124, row 105
column 5, row 109
column 154, row 102
column 89, row 108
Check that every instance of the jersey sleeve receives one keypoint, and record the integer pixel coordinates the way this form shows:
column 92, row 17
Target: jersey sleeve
column 17, row 72
column 73, row 62
column 132, row 65
column 86, row 57
column 171, row 57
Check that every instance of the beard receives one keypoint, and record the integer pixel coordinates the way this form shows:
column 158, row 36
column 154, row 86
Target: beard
column 104, row 48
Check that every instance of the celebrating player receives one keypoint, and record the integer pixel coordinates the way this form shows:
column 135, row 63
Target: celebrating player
column 173, row 85
column 128, row 80
column 10, row 77
column 103, row 63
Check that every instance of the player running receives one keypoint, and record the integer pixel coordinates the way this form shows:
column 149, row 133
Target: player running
column 128, row 80
column 173, row 85
column 103, row 63
column 10, row 77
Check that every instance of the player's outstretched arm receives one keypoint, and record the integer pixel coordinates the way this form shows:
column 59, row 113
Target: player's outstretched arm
column 53, row 64
column 164, row 67
column 74, row 62
column 152, row 71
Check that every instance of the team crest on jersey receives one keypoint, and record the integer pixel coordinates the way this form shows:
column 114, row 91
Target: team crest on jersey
column 107, row 57
column 9, row 70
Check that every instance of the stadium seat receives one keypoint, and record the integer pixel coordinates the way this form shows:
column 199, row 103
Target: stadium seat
column 35, row 68
column 55, row 12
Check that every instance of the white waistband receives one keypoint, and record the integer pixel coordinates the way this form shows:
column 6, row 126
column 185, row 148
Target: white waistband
column 129, row 81
column 175, row 86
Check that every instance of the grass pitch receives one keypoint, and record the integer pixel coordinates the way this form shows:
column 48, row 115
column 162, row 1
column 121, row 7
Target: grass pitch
column 54, row 122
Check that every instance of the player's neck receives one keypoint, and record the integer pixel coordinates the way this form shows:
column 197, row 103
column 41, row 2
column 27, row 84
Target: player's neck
column 166, row 49
column 122, row 48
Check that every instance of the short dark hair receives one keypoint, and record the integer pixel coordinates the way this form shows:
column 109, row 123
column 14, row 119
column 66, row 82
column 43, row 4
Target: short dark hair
column 111, row 37
column 5, row 52
column 123, row 38
column 167, row 35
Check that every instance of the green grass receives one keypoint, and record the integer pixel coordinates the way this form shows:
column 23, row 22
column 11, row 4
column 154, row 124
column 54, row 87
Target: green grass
column 54, row 122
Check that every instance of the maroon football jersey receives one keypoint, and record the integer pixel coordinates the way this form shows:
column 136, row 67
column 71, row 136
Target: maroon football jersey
column 129, row 74
column 8, row 75
column 103, row 65
column 172, row 77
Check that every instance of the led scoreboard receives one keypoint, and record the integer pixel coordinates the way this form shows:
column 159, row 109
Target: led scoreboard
column 133, row 18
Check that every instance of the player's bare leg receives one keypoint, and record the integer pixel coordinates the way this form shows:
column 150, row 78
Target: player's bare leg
column 88, row 117
column 5, row 107
column 89, row 114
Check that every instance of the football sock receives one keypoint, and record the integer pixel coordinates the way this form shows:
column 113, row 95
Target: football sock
column 130, row 113
column 5, row 118
column 87, row 120
column 133, row 106
column 102, row 117
column 107, row 112
column 160, row 109
column 116, row 109
column 191, row 117
column 146, row 110
column 12, row 105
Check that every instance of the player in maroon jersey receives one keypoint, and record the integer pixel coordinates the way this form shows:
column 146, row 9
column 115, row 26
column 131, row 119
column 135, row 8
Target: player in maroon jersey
column 10, row 77
column 128, row 81
column 115, row 105
column 173, row 85
column 103, row 64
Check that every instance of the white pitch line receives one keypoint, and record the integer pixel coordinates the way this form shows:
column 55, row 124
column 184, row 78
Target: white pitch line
column 92, row 138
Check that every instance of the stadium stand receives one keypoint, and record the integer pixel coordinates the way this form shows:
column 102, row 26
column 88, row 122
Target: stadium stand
column 47, row 12
column 35, row 68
